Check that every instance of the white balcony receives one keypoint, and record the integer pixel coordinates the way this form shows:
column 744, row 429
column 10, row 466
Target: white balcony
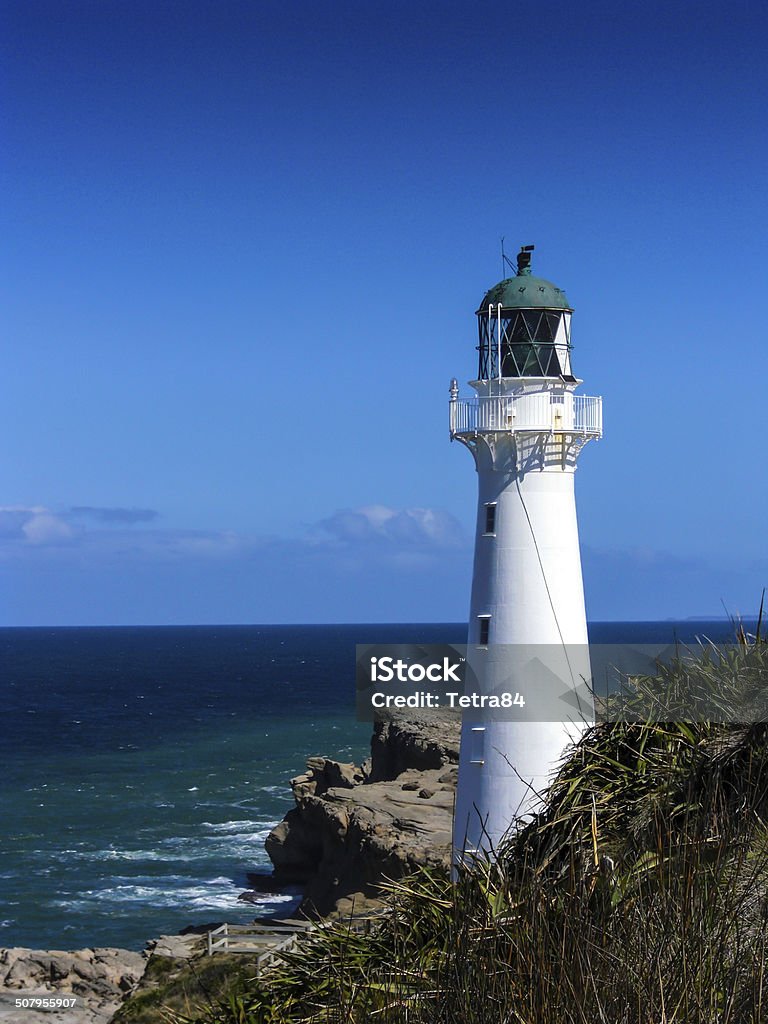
column 542, row 412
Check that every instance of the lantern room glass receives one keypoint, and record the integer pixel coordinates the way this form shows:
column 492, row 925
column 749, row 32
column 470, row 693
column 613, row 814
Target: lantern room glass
column 530, row 342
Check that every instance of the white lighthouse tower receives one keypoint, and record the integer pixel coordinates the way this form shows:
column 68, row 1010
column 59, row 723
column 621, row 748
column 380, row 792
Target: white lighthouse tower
column 525, row 427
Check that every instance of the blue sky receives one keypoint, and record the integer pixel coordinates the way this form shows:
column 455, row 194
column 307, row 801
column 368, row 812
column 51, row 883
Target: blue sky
column 243, row 246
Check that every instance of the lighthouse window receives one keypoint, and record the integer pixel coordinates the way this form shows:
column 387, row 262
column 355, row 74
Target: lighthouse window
column 477, row 752
column 490, row 517
column 484, row 623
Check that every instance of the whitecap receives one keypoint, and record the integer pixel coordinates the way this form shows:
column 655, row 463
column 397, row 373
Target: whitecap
column 111, row 853
column 243, row 825
column 218, row 893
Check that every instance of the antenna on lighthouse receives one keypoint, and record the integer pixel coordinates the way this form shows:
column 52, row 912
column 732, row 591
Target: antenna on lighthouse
column 505, row 260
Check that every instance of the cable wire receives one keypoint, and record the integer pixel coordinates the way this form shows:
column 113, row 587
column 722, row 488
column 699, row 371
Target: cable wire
column 544, row 577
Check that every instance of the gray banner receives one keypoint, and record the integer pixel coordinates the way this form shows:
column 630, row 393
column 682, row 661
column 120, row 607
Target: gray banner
column 566, row 683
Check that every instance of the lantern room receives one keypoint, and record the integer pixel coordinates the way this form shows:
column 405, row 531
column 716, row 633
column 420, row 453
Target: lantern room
column 524, row 327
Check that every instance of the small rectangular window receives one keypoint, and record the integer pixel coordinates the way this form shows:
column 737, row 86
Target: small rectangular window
column 485, row 629
column 490, row 517
column 477, row 752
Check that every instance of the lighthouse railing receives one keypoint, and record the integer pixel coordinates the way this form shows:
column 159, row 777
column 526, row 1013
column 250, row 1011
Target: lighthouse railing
column 588, row 414
column 581, row 414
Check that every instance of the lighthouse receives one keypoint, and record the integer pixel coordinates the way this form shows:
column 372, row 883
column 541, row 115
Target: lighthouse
column 525, row 427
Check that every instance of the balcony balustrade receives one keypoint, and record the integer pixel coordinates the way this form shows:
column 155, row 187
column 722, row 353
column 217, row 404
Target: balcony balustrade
column 541, row 412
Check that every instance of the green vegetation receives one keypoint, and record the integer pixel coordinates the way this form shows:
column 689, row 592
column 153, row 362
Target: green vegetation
column 173, row 988
column 638, row 896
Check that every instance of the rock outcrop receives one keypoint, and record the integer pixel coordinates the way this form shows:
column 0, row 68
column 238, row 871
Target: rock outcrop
column 99, row 978
column 354, row 826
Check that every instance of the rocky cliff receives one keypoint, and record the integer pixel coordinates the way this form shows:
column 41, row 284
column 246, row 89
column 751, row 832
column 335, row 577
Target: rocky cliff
column 355, row 825
column 97, row 978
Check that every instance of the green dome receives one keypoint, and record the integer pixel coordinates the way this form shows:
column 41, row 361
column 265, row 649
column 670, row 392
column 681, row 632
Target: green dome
column 525, row 292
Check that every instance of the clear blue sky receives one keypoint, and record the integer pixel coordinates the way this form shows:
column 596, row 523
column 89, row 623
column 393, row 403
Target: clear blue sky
column 242, row 248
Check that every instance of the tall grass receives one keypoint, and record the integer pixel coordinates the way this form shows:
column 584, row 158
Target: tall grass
column 638, row 896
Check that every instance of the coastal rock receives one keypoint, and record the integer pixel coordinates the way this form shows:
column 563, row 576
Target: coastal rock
column 422, row 741
column 323, row 774
column 352, row 827
column 99, row 978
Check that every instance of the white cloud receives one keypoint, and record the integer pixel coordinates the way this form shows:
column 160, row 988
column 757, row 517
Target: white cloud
column 34, row 525
column 349, row 542
column 382, row 526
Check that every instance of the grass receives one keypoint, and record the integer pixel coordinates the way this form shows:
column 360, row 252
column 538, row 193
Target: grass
column 638, row 896
column 173, row 988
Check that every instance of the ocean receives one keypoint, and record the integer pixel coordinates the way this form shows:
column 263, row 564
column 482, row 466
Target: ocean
column 143, row 767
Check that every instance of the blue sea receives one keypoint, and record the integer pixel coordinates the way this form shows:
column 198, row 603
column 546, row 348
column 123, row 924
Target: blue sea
column 143, row 767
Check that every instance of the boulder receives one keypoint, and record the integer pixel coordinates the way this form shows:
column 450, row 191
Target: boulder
column 353, row 827
column 423, row 741
column 100, row 978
